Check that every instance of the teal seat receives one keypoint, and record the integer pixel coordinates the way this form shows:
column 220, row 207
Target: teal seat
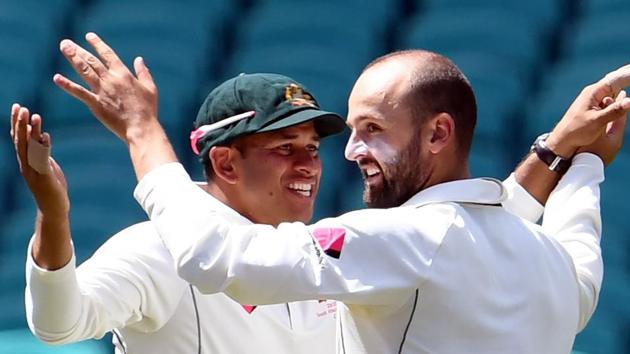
column 597, row 35
column 541, row 14
column 562, row 86
column 22, row 341
column 330, row 84
column 491, row 31
column 296, row 26
column 490, row 157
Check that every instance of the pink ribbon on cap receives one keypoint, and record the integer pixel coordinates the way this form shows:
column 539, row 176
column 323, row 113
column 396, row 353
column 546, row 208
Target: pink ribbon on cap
column 199, row 133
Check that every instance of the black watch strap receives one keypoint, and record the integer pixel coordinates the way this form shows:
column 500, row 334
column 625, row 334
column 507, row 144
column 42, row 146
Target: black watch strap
column 545, row 154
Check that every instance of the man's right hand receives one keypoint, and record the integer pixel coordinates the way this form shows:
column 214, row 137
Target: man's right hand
column 609, row 143
column 589, row 116
column 48, row 187
column 125, row 103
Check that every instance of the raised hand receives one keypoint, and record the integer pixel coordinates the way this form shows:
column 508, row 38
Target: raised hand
column 609, row 143
column 122, row 101
column 125, row 103
column 588, row 118
column 41, row 173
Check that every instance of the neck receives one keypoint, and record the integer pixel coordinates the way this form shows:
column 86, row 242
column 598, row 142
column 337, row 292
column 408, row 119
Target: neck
column 450, row 170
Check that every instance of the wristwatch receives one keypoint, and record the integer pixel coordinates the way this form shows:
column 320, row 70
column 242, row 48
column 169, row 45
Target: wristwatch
column 556, row 163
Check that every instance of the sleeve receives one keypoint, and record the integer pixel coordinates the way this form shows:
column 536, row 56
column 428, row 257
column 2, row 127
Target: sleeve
column 572, row 216
column 519, row 202
column 122, row 285
column 366, row 256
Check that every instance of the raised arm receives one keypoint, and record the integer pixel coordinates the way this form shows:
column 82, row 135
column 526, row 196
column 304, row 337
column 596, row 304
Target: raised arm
column 51, row 247
column 125, row 103
column 573, row 216
column 114, row 288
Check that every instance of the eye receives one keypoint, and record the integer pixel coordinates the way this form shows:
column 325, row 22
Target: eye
column 372, row 128
column 285, row 149
column 313, row 149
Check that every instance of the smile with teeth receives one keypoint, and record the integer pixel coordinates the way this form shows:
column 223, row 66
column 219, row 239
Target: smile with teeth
column 372, row 171
column 304, row 189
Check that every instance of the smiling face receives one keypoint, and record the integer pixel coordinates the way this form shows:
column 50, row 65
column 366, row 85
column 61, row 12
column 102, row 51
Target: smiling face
column 386, row 141
column 278, row 174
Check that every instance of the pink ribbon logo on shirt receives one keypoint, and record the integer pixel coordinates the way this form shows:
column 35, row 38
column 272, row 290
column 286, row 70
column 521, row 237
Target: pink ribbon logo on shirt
column 330, row 240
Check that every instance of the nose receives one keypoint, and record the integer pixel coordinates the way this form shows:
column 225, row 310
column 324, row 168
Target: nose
column 307, row 163
column 355, row 148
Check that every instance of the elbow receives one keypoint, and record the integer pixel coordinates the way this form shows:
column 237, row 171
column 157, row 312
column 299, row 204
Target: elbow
column 55, row 339
column 201, row 276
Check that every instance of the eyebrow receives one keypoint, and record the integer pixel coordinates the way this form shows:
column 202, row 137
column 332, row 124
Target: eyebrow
column 288, row 136
column 361, row 118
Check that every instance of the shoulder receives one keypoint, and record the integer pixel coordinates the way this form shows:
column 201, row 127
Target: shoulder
column 137, row 244
column 430, row 221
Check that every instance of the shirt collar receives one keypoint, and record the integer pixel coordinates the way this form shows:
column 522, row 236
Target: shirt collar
column 477, row 190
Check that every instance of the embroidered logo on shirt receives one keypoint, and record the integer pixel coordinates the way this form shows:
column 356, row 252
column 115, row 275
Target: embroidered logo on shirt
column 330, row 240
column 249, row 308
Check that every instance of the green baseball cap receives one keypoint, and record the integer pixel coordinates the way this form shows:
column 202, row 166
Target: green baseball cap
column 256, row 103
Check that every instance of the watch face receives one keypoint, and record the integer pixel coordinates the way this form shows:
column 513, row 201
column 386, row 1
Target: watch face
column 541, row 137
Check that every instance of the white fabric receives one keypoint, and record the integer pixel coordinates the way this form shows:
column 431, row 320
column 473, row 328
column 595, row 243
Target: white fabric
column 130, row 284
column 447, row 272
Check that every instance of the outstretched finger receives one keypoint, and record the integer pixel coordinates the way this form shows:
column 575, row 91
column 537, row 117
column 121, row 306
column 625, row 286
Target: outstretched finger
column 105, row 52
column 15, row 108
column 78, row 58
column 75, row 90
column 36, row 124
column 21, row 137
column 143, row 74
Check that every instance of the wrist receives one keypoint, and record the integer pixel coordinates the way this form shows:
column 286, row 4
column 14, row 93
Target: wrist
column 143, row 133
column 560, row 147
column 53, row 216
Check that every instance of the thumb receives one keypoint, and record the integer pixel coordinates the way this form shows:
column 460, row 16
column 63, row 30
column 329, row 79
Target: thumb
column 143, row 74
column 617, row 127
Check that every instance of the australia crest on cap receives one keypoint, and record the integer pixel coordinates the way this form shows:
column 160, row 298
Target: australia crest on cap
column 296, row 96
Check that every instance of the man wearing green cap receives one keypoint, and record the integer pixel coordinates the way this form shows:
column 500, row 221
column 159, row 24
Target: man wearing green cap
column 129, row 286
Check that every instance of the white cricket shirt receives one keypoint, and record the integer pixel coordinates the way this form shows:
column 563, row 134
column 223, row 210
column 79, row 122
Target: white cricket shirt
column 130, row 286
column 450, row 271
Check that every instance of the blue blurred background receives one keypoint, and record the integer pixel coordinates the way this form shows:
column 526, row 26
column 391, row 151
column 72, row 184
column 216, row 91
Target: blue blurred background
column 526, row 59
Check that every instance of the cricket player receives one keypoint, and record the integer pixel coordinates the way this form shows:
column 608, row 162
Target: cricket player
column 441, row 267
column 129, row 285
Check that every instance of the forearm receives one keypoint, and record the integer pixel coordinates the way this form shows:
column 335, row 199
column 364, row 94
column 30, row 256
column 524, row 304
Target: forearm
column 149, row 147
column 536, row 178
column 53, row 300
column 52, row 248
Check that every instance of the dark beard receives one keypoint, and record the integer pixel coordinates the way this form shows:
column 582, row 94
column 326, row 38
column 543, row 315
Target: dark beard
column 401, row 180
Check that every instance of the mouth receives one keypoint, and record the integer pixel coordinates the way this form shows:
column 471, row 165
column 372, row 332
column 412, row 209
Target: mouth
column 371, row 174
column 303, row 189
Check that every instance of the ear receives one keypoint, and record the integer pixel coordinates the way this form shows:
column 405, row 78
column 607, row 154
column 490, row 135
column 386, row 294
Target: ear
column 222, row 160
column 441, row 130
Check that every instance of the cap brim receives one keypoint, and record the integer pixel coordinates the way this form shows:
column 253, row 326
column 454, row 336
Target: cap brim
column 326, row 123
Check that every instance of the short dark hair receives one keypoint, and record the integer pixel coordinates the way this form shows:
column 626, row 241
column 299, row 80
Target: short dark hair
column 438, row 86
